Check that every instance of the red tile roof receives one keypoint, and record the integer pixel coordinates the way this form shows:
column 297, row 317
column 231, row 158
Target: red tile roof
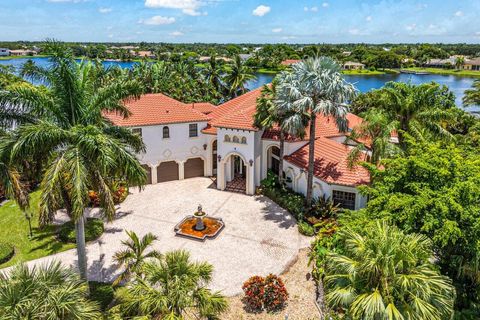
column 203, row 107
column 154, row 109
column 331, row 163
column 289, row 62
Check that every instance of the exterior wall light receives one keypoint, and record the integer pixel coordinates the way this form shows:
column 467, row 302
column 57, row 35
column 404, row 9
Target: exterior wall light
column 251, row 162
column 219, row 157
column 204, row 146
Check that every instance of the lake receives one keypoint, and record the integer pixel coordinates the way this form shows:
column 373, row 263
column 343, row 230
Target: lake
column 457, row 84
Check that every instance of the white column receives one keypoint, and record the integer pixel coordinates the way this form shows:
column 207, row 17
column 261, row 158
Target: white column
column 154, row 174
column 181, row 172
column 221, row 176
column 250, row 189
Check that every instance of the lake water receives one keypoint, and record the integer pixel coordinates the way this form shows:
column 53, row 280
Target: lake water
column 457, row 84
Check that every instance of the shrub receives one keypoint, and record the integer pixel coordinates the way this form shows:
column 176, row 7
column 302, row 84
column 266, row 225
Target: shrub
column 265, row 293
column 93, row 230
column 102, row 293
column 7, row 251
column 120, row 193
column 254, row 289
column 306, row 229
column 275, row 293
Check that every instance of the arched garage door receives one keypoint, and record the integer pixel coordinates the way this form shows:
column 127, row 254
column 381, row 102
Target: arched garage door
column 149, row 173
column 194, row 168
column 167, row 171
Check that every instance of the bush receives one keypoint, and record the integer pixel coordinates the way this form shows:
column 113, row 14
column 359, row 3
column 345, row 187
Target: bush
column 275, row 293
column 120, row 193
column 7, row 251
column 93, row 230
column 102, row 293
column 306, row 229
column 265, row 293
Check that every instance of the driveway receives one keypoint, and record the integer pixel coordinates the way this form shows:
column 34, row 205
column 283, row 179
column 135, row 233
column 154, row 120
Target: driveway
column 259, row 237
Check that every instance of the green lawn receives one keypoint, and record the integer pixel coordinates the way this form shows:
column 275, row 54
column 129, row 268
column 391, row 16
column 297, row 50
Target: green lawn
column 22, row 57
column 463, row 73
column 367, row 72
column 14, row 230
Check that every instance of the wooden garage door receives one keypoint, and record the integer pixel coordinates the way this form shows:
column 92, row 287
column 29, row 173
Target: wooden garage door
column 167, row 171
column 194, row 168
column 149, row 173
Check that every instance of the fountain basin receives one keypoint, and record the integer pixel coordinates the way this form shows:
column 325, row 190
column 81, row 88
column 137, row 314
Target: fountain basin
column 186, row 227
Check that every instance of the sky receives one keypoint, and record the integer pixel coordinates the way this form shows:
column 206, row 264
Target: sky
column 242, row 21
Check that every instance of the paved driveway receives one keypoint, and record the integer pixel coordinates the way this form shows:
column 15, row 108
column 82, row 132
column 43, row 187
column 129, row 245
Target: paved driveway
column 259, row 237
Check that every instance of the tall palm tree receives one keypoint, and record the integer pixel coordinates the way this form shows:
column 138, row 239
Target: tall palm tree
column 134, row 256
column 472, row 96
column 386, row 274
column 373, row 135
column 459, row 62
column 47, row 292
column 237, row 77
column 418, row 109
column 172, row 288
column 315, row 86
column 82, row 149
column 213, row 74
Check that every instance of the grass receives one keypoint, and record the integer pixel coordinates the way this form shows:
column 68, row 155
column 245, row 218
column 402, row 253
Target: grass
column 367, row 72
column 22, row 57
column 14, row 230
column 463, row 73
column 268, row 71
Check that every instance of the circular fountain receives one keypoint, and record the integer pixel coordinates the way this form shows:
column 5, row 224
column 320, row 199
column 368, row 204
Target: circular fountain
column 199, row 226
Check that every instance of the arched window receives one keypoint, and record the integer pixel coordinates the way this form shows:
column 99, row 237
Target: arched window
column 227, row 138
column 244, row 140
column 166, row 132
column 236, row 140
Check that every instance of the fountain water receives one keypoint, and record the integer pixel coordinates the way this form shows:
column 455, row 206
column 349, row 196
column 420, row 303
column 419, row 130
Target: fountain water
column 199, row 226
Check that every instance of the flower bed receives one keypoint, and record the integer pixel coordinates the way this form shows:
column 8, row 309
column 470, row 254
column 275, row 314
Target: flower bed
column 265, row 293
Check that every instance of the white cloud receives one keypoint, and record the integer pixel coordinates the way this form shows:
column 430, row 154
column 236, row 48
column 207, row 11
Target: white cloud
column 369, row 18
column 104, row 10
column 325, row 4
column 354, row 31
column 176, row 33
column 261, row 10
column 312, row 9
column 276, row 30
column 289, row 37
column 189, row 7
column 158, row 20
column 411, row 27
column 459, row 14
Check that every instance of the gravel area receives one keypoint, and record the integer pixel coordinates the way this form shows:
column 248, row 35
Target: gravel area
column 259, row 237
column 301, row 289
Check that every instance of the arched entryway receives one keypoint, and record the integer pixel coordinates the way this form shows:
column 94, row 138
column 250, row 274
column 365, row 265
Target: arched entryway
column 234, row 174
column 273, row 156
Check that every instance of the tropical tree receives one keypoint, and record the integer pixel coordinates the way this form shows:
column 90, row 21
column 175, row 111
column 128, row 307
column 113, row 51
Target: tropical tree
column 386, row 274
column 374, row 136
column 472, row 96
column 315, row 86
column 172, row 287
column 237, row 76
column 420, row 110
column 47, row 292
column 213, row 74
column 83, row 151
column 459, row 62
column 134, row 256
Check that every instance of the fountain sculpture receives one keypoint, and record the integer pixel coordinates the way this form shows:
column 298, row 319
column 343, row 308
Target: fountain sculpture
column 199, row 226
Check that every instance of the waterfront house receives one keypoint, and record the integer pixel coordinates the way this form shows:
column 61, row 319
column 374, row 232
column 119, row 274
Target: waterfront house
column 472, row 64
column 351, row 65
column 191, row 140
column 21, row 52
column 4, row 52
column 289, row 62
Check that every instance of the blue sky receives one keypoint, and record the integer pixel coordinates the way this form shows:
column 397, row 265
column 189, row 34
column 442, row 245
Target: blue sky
column 264, row 21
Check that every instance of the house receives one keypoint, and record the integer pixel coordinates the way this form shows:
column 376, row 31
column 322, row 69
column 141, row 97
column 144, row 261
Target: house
column 21, row 52
column 200, row 139
column 4, row 52
column 145, row 54
column 289, row 62
column 351, row 65
column 204, row 59
column 472, row 64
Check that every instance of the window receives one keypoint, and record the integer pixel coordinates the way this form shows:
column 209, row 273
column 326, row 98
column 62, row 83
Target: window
column 137, row 131
column 193, row 130
column 345, row 200
column 227, row 138
column 236, row 140
column 166, row 132
column 244, row 140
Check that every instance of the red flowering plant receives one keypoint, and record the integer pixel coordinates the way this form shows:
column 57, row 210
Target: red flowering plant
column 275, row 294
column 120, row 193
column 254, row 291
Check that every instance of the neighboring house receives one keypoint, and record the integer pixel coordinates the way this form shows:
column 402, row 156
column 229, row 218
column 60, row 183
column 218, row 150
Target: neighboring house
column 207, row 59
column 473, row 64
column 145, row 54
column 351, row 65
column 4, row 52
column 191, row 140
column 22, row 52
column 289, row 62
column 445, row 63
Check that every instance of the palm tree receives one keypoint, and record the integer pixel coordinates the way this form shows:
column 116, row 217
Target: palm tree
column 134, row 256
column 373, row 135
column 472, row 96
column 459, row 62
column 172, row 288
column 418, row 109
column 237, row 76
column 387, row 274
column 315, row 86
column 83, row 150
column 213, row 75
column 47, row 292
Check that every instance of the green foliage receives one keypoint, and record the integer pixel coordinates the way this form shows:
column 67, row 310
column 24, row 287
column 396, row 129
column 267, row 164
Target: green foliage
column 472, row 96
column 306, row 229
column 386, row 274
column 102, row 293
column 6, row 252
column 46, row 292
column 265, row 293
column 93, row 230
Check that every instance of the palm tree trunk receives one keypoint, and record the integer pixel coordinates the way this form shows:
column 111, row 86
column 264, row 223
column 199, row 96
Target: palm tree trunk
column 81, row 248
column 282, row 151
column 311, row 161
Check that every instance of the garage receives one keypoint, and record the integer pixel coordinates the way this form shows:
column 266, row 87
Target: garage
column 167, row 171
column 194, row 168
column 148, row 170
